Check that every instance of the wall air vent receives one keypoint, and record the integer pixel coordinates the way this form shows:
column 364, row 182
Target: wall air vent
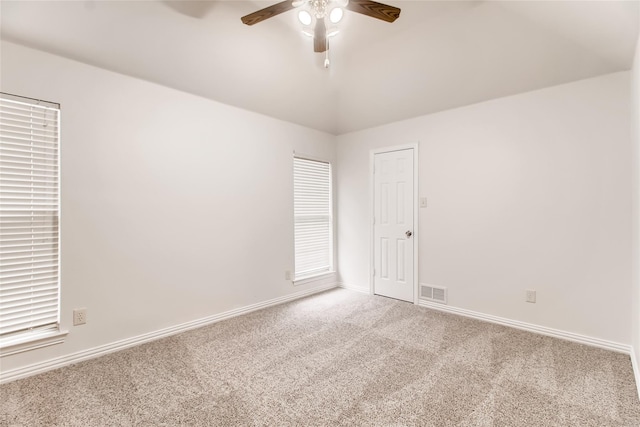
column 433, row 293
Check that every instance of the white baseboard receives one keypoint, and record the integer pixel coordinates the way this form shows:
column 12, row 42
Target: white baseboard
column 361, row 289
column 530, row 327
column 636, row 369
column 58, row 362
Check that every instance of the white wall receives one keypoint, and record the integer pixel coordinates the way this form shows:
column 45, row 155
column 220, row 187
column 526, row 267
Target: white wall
column 174, row 207
column 635, row 252
column 529, row 191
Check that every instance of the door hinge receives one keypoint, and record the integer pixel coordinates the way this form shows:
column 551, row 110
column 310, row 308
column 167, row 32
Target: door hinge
column 374, row 272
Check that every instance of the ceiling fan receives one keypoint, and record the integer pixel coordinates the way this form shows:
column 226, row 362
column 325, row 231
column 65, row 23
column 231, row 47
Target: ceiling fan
column 321, row 9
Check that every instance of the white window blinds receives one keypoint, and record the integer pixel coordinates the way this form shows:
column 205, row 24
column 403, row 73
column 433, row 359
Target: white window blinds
column 313, row 232
column 29, row 285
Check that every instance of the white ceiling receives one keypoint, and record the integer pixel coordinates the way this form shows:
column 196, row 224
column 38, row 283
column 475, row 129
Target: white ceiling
column 437, row 55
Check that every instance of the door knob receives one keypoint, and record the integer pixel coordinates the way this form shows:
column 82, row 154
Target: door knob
column 408, row 233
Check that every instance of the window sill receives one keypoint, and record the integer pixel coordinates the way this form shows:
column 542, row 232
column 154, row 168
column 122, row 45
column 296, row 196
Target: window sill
column 28, row 342
column 322, row 277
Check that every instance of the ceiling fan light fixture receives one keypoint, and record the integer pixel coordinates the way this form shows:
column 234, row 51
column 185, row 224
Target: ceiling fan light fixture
column 304, row 17
column 335, row 15
column 322, row 14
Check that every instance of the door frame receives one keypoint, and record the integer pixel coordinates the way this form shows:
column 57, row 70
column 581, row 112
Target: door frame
column 416, row 212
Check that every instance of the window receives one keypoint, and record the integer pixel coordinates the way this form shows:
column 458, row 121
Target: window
column 29, row 215
column 313, row 229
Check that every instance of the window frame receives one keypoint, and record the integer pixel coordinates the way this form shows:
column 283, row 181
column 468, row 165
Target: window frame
column 50, row 332
column 330, row 272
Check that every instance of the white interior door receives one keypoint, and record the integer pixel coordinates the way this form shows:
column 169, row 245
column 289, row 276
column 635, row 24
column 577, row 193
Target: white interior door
column 393, row 224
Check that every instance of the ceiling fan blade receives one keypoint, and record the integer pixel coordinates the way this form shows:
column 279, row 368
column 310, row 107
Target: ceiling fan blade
column 320, row 36
column 267, row 12
column 374, row 9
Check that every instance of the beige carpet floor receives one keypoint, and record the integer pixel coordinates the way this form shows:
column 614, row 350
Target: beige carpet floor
column 336, row 359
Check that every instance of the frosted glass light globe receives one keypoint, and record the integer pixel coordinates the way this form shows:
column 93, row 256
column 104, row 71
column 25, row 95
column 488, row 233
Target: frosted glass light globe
column 336, row 15
column 304, row 17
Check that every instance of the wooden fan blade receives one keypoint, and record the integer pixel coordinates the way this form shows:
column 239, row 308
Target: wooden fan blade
column 320, row 36
column 267, row 12
column 374, row 9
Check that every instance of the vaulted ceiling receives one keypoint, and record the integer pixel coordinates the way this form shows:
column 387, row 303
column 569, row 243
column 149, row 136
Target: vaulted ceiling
column 437, row 55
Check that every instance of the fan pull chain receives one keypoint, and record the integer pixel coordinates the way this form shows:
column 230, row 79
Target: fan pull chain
column 326, row 52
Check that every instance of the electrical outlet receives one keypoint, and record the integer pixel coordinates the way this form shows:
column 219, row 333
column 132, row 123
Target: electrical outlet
column 79, row 316
column 531, row 295
column 287, row 275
